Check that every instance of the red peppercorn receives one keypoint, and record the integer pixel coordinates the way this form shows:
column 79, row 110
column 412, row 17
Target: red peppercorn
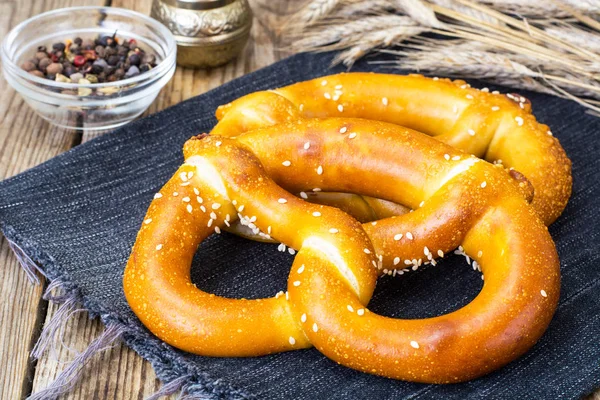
column 132, row 43
column 53, row 57
column 79, row 61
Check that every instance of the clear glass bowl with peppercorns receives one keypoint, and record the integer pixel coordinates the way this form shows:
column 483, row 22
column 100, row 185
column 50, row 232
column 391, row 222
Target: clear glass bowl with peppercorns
column 90, row 68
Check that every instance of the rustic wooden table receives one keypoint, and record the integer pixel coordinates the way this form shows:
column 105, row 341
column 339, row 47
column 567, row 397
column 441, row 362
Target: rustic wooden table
column 26, row 140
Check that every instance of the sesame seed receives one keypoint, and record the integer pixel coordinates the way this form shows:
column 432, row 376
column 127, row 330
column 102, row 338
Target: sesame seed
column 319, row 170
column 315, row 327
column 291, row 251
column 333, row 230
column 447, row 156
column 323, row 83
column 414, row 344
column 217, row 230
column 455, row 158
column 203, row 208
column 327, row 96
column 471, row 132
column 287, row 295
column 189, row 208
column 306, row 145
column 196, row 192
column 227, row 223
column 281, row 247
column 421, row 204
column 301, row 107
column 384, row 101
column 279, row 294
column 483, row 184
column 269, row 229
column 425, row 250
column 343, row 129
column 303, row 195
column 199, row 199
column 407, row 262
column 338, row 86
column 282, row 201
column 175, row 194
column 296, row 283
column 316, row 214
column 360, row 311
column 479, row 253
column 485, row 90
column 241, row 208
column 352, row 135
column 543, row 293
column 148, row 221
column 190, row 174
column 495, row 108
column 301, row 269
column 398, row 236
column 495, row 92
column 409, row 236
column 157, row 196
column 210, row 222
column 519, row 121
column 374, row 223
column 183, row 176
column 340, row 108
column 159, row 246
column 213, row 215
column 186, row 199
column 469, row 97
column 396, row 260
column 286, row 163
column 303, row 318
column 316, row 190
column 349, row 307
column 550, row 133
column 435, row 78
column 218, row 143
column 367, row 251
column 440, row 253
column 292, row 340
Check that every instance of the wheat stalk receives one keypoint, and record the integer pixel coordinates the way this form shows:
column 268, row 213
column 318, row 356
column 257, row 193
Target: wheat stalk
column 530, row 44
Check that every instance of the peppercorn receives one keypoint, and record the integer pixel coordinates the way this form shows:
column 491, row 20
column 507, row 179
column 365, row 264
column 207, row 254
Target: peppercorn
column 70, row 70
column 43, row 64
column 54, row 68
column 78, row 41
column 41, row 54
column 113, row 60
column 37, row 73
column 58, row 46
column 42, row 49
column 134, row 59
column 28, row 66
column 79, row 61
column 144, row 68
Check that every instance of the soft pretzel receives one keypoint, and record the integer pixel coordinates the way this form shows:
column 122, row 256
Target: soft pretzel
column 457, row 199
column 498, row 128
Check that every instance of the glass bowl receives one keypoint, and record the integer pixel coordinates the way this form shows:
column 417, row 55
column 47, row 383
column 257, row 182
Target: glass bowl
column 95, row 106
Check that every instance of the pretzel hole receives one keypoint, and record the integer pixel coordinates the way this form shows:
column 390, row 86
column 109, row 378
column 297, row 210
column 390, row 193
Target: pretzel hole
column 234, row 267
column 417, row 294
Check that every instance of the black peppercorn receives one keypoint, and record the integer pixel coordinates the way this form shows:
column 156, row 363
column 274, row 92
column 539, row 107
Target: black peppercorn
column 134, row 59
column 113, row 60
column 58, row 46
column 78, row 41
column 144, row 68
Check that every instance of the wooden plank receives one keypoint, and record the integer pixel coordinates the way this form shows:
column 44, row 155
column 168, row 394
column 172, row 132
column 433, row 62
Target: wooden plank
column 120, row 373
column 27, row 140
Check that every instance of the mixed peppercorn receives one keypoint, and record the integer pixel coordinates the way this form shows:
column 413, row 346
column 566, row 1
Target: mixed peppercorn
column 85, row 61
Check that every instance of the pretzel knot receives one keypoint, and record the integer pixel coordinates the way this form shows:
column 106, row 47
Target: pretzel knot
column 457, row 200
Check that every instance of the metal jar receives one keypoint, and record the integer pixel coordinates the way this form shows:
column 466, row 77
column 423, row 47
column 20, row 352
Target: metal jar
column 208, row 32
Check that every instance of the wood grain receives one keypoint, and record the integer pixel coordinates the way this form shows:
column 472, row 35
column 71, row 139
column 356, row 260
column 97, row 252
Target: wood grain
column 27, row 140
column 120, row 373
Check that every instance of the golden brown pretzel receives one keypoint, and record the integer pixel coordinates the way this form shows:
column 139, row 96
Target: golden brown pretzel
column 457, row 199
column 495, row 127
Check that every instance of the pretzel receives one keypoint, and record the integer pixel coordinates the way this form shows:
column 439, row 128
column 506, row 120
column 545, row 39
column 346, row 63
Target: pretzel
column 457, row 200
column 498, row 128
